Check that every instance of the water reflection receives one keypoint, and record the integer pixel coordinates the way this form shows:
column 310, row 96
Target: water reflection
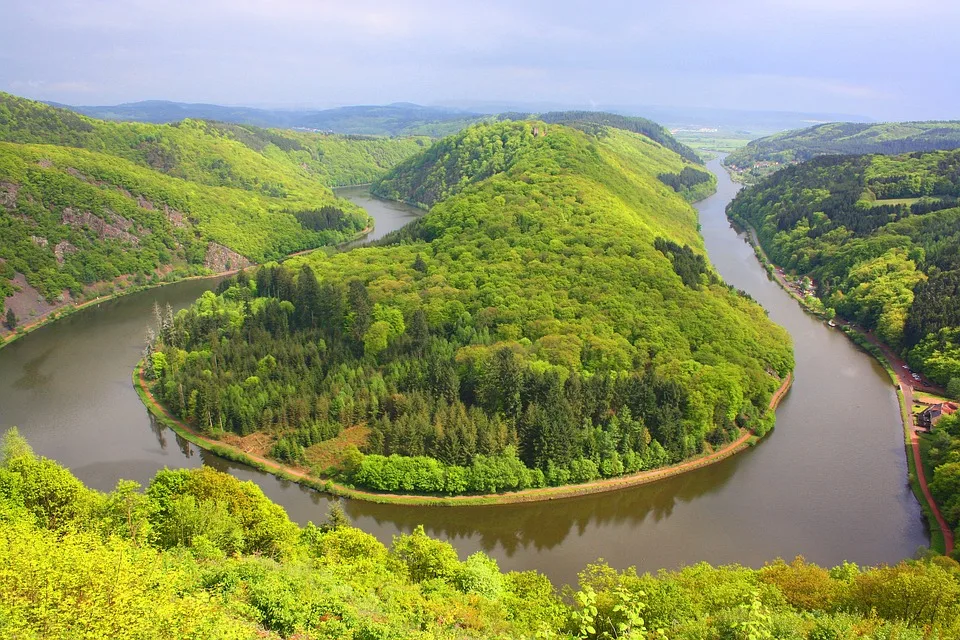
column 31, row 377
column 546, row 525
column 829, row 482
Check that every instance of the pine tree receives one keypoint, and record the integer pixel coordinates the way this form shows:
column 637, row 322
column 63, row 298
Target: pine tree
column 307, row 298
column 419, row 264
column 11, row 320
column 337, row 518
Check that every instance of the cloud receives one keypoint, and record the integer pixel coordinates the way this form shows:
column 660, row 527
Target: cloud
column 851, row 55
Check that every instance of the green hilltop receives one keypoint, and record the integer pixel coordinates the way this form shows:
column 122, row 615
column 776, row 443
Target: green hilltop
column 86, row 205
column 762, row 156
column 552, row 319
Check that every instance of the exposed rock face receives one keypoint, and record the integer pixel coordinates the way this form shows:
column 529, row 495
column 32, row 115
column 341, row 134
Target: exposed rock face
column 45, row 163
column 101, row 227
column 62, row 249
column 175, row 217
column 40, row 241
column 8, row 195
column 28, row 304
column 220, row 258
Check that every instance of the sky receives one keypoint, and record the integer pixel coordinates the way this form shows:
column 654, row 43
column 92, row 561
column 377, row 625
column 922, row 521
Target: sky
column 884, row 59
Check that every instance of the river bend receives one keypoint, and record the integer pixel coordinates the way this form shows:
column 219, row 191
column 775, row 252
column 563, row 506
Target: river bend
column 830, row 482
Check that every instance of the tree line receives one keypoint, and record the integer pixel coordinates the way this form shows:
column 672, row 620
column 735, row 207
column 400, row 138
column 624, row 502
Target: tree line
column 889, row 266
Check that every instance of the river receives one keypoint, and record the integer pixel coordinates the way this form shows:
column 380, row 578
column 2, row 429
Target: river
column 830, row 482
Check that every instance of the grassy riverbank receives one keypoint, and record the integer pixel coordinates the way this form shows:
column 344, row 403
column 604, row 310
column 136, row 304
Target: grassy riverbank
column 327, row 485
column 915, row 475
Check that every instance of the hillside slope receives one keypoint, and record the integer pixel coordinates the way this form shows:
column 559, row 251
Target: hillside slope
column 87, row 205
column 457, row 161
column 553, row 316
column 760, row 157
column 199, row 554
column 880, row 237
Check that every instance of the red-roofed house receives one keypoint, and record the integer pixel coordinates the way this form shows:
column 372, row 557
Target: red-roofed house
column 929, row 416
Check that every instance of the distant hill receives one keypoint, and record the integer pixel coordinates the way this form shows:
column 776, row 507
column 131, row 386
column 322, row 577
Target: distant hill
column 385, row 120
column 87, row 205
column 879, row 235
column 643, row 126
column 843, row 138
column 445, row 168
column 391, row 119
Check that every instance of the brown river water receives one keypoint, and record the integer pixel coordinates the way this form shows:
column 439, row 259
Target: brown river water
column 830, row 482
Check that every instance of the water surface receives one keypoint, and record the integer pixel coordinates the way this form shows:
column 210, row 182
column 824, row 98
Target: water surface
column 829, row 482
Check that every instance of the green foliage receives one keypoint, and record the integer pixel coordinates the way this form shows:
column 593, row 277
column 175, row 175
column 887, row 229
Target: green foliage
column 85, row 202
column 109, row 571
column 760, row 156
column 893, row 268
column 597, row 121
column 692, row 183
column 560, row 325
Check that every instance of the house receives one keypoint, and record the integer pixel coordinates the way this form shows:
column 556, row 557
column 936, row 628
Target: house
column 929, row 416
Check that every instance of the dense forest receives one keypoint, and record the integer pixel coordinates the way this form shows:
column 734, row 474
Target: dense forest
column 943, row 455
column 765, row 155
column 880, row 237
column 85, row 202
column 552, row 319
column 597, row 121
column 199, row 554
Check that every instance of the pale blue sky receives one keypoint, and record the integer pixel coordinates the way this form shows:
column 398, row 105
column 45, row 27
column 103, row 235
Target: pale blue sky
column 880, row 58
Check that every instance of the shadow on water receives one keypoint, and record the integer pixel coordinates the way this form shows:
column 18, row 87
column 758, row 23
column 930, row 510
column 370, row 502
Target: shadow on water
column 32, row 377
column 829, row 482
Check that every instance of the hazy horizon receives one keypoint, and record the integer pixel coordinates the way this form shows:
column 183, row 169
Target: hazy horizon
column 884, row 60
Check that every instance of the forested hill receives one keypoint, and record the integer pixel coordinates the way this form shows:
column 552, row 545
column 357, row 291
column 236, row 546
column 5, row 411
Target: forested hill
column 199, row 554
column 552, row 319
column 269, row 161
column 880, row 236
column 847, row 138
column 398, row 119
column 596, row 121
column 457, row 161
column 87, row 205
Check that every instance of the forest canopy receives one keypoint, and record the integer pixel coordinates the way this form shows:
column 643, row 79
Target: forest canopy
column 552, row 319
column 85, row 202
column 200, row 554
column 880, row 237
column 772, row 152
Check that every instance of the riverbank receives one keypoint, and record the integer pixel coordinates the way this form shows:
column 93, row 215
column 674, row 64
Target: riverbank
column 941, row 536
column 69, row 309
column 301, row 476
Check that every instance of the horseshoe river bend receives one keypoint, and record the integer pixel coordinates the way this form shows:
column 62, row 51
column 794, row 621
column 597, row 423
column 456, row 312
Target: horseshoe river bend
column 829, row 483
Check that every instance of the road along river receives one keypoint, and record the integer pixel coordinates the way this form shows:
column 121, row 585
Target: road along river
column 830, row 482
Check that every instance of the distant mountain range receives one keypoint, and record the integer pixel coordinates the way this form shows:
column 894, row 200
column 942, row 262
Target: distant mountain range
column 404, row 118
column 393, row 119
column 760, row 122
